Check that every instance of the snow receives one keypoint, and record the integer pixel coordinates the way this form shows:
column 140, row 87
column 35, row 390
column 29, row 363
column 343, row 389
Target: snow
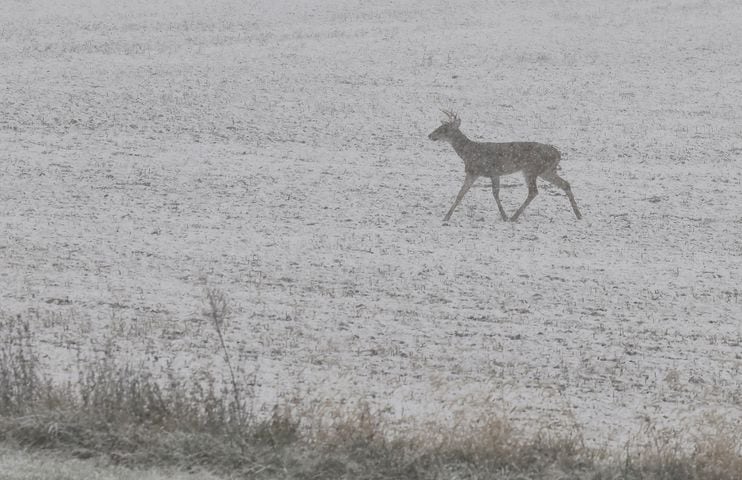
column 278, row 151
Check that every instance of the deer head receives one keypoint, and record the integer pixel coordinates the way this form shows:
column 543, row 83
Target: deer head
column 448, row 127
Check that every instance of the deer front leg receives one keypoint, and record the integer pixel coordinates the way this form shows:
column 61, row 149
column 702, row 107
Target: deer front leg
column 532, row 192
column 468, row 182
column 496, row 193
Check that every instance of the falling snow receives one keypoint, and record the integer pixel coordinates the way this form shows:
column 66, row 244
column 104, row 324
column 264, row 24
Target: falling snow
column 278, row 151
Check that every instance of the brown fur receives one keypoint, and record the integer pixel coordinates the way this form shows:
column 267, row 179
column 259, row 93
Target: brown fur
column 488, row 159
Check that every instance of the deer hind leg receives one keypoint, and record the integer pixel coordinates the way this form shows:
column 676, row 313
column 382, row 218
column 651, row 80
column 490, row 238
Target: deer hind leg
column 468, row 182
column 552, row 177
column 532, row 192
column 496, row 193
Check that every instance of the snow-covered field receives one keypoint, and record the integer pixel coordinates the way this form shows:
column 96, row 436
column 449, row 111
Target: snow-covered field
column 277, row 151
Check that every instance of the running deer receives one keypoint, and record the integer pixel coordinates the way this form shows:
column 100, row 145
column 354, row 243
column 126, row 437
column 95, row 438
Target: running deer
column 487, row 159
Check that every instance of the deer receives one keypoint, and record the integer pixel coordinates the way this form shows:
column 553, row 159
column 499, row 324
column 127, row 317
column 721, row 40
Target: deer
column 493, row 160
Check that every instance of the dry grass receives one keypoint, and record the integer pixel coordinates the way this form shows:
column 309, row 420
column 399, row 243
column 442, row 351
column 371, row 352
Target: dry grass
column 25, row 465
column 121, row 414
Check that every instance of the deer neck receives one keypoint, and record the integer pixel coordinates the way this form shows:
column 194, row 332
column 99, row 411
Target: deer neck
column 459, row 142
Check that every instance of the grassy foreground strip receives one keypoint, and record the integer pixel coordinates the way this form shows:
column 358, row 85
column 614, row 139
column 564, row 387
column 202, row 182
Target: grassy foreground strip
column 118, row 418
column 29, row 465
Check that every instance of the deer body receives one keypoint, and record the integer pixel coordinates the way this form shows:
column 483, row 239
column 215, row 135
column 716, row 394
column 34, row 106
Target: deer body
column 493, row 160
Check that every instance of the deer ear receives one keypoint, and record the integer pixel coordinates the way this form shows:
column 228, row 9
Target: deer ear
column 457, row 122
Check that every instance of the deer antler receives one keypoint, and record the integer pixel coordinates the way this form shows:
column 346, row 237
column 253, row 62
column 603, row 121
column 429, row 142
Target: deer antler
column 452, row 117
